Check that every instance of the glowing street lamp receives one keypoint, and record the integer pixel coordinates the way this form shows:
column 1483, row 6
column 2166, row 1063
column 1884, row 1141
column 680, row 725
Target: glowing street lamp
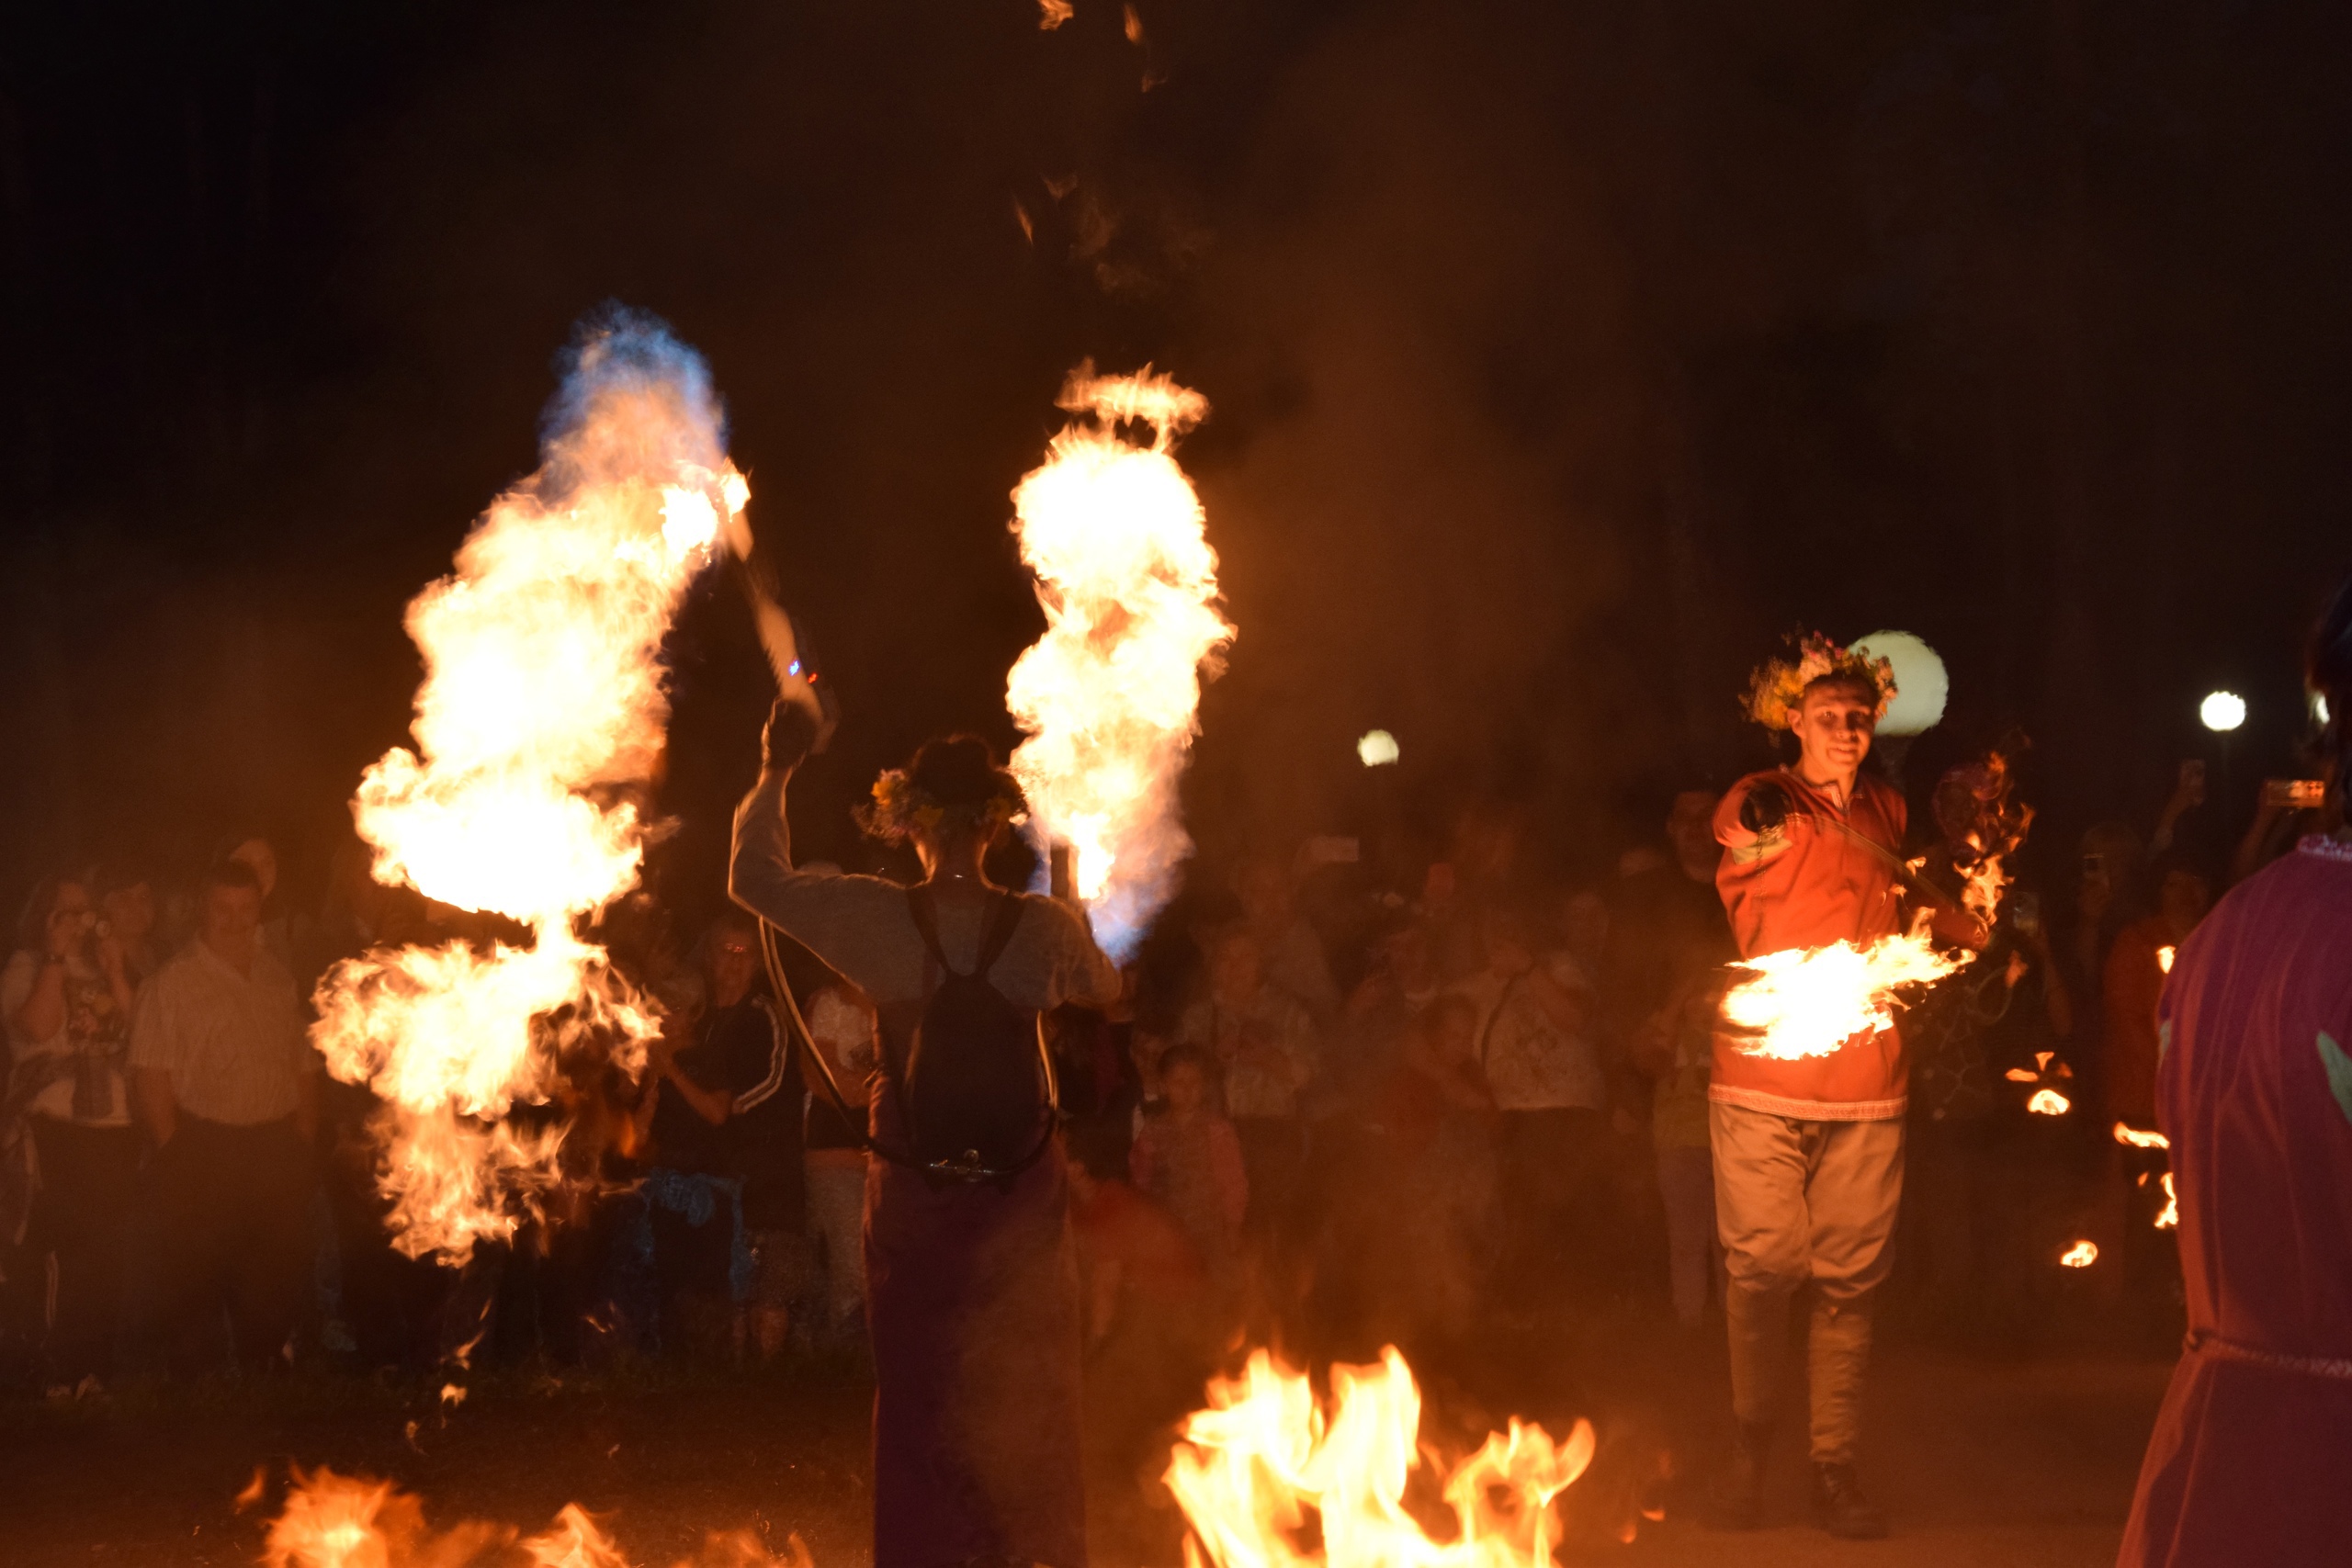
column 2222, row 711
column 1377, row 748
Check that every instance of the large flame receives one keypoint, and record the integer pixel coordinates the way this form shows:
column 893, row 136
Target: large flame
column 1110, row 696
column 340, row 1521
column 1809, row 1001
column 1249, row 1466
column 538, row 726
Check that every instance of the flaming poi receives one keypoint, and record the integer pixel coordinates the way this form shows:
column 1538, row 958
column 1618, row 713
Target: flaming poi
column 1110, row 696
column 537, row 731
column 1811, row 1001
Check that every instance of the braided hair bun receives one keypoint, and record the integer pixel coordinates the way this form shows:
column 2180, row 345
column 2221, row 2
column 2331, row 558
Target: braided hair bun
column 956, row 776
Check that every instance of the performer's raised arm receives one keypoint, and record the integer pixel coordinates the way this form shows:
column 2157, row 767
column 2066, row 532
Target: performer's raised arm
column 825, row 913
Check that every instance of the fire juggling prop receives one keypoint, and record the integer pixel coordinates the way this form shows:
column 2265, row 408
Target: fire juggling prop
column 2133, row 1137
column 2051, row 1079
column 1247, row 1467
column 1110, row 696
column 1811, row 1001
column 537, row 729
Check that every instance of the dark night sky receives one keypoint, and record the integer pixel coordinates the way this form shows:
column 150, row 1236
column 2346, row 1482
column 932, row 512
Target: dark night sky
column 1561, row 354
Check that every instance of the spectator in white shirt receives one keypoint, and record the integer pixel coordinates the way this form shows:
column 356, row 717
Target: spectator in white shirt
column 1535, row 1042
column 225, row 1085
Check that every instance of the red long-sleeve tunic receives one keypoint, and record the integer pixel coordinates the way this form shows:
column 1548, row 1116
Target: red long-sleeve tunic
column 2247, row 1466
column 1824, row 876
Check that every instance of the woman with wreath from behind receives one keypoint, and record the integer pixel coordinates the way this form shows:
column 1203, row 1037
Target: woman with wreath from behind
column 972, row 1286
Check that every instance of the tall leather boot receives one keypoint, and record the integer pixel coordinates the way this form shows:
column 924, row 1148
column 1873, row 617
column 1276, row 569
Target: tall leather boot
column 1837, row 1353
column 1759, row 1324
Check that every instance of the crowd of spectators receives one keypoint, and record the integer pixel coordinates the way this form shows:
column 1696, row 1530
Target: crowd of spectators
column 1329, row 1111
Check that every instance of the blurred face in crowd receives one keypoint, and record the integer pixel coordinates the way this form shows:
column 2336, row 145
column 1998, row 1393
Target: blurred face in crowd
column 1452, row 1032
column 1834, row 727
column 231, row 924
column 71, row 917
column 1510, row 949
column 1584, row 921
column 1234, row 971
column 1185, row 1086
column 1955, row 806
column 257, row 854
column 1264, row 893
column 130, row 912
column 734, row 965
column 1690, row 829
column 2183, row 901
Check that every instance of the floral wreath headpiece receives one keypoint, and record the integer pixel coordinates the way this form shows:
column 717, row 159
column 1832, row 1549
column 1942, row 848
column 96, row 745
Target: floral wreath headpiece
column 900, row 806
column 1777, row 689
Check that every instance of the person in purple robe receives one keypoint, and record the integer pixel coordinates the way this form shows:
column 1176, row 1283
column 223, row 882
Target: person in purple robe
column 972, row 1296
column 2254, row 1089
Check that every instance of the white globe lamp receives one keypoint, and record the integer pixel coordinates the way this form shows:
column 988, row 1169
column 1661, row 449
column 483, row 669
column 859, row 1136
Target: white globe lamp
column 2222, row 711
column 1921, row 685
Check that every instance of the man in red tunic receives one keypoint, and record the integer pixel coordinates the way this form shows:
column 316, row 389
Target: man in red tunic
column 1808, row 1153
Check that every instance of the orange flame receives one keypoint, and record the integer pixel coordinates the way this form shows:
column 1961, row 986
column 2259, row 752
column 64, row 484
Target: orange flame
column 1110, row 696
column 2048, row 1102
column 336, row 1521
column 2164, row 959
column 2082, row 1255
column 2139, row 1140
column 1249, row 1465
column 1810, row 1001
column 541, row 717
column 2171, row 1215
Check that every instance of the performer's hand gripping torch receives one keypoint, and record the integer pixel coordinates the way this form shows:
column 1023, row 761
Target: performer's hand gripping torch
column 800, row 724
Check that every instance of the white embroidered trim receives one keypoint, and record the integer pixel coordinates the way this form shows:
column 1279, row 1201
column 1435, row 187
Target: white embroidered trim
column 2326, row 847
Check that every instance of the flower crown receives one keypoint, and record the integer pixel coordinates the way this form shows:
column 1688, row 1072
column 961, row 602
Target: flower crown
column 900, row 806
column 1777, row 689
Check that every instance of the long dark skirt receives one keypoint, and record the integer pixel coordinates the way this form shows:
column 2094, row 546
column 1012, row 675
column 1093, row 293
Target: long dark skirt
column 972, row 1301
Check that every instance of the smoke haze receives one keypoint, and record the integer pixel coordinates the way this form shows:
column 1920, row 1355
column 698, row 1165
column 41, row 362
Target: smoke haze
column 1561, row 354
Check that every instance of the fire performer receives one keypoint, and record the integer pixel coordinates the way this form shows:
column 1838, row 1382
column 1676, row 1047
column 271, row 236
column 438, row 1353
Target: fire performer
column 972, row 1286
column 2253, row 1087
column 1808, row 1153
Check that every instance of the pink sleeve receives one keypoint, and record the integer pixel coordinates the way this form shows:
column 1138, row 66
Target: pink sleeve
column 1142, row 1158
column 1232, row 1177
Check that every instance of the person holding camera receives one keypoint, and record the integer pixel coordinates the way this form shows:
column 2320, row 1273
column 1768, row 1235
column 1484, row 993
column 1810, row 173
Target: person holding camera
column 66, row 998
